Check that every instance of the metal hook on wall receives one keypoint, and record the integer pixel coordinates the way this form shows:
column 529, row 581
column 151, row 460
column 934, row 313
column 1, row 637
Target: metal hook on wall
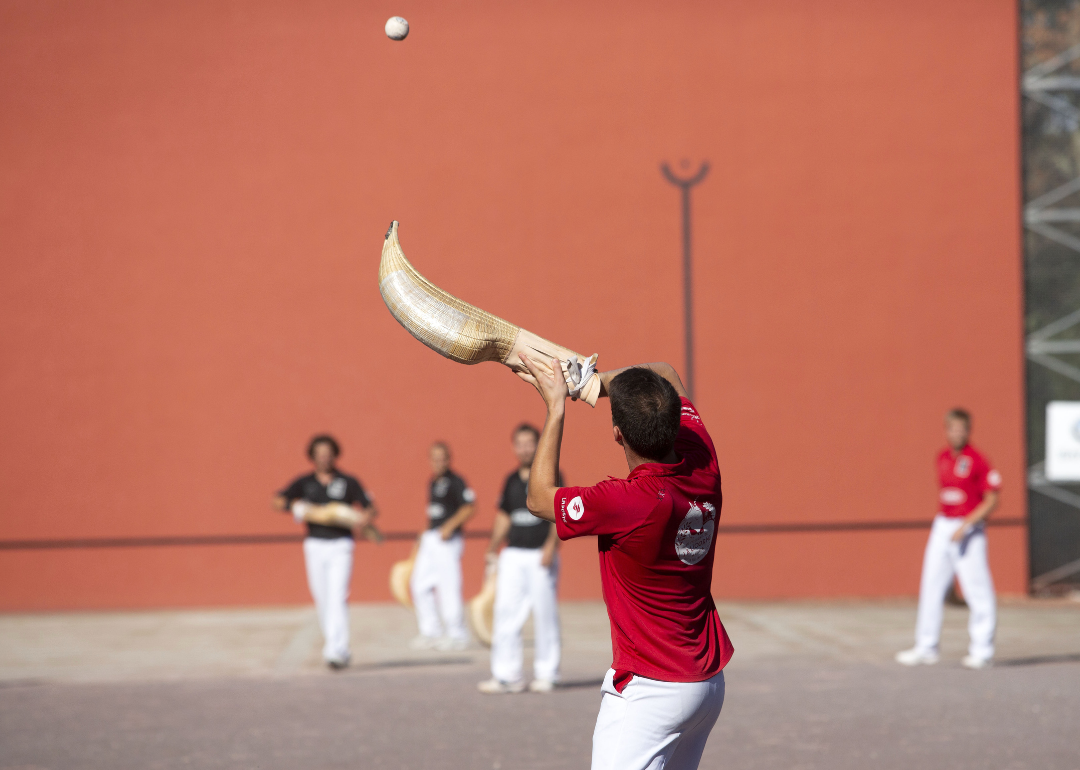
column 685, row 186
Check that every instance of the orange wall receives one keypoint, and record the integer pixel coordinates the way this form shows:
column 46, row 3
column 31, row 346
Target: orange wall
column 193, row 202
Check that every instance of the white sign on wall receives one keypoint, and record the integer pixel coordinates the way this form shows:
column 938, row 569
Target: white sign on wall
column 1063, row 441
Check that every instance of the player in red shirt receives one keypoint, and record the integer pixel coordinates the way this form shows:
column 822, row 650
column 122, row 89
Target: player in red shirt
column 957, row 548
column 655, row 532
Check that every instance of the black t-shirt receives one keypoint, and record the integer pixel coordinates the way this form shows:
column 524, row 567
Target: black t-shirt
column 526, row 530
column 341, row 489
column 447, row 494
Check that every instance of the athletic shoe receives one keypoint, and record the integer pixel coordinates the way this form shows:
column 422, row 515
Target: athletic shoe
column 541, row 685
column 422, row 642
column 450, row 644
column 336, row 664
column 970, row 661
column 916, row 657
column 496, row 687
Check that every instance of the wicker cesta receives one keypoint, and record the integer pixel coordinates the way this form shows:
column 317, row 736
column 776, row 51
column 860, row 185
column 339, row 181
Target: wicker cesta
column 455, row 329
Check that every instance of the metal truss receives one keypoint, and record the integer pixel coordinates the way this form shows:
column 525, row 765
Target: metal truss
column 1043, row 216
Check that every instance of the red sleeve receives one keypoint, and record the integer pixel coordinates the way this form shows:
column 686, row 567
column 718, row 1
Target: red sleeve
column 607, row 508
column 989, row 478
column 693, row 442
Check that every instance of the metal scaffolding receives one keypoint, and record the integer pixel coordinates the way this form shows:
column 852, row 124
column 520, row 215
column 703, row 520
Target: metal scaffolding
column 1043, row 84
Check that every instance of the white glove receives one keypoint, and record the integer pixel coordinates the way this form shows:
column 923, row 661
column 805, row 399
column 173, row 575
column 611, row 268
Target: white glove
column 299, row 510
column 578, row 374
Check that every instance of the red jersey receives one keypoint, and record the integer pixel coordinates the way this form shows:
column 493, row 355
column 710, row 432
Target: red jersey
column 656, row 545
column 965, row 480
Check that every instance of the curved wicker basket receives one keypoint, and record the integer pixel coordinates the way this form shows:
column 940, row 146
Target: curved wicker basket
column 455, row 329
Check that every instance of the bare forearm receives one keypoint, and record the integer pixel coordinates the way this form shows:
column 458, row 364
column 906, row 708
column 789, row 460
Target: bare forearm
column 552, row 541
column 982, row 511
column 499, row 531
column 665, row 370
column 464, row 513
column 544, row 477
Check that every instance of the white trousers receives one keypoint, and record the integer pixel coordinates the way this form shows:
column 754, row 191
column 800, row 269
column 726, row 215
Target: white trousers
column 329, row 569
column 966, row 560
column 654, row 725
column 437, row 575
column 523, row 586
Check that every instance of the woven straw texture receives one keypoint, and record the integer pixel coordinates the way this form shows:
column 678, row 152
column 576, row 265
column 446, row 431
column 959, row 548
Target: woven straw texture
column 444, row 323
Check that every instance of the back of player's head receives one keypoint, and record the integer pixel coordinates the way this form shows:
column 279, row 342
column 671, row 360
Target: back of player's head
column 526, row 428
column 959, row 414
column 646, row 410
column 323, row 438
column 443, row 446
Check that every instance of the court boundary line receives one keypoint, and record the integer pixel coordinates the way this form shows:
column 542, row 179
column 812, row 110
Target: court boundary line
column 165, row 541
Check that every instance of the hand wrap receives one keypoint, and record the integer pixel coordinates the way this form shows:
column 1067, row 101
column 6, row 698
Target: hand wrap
column 578, row 374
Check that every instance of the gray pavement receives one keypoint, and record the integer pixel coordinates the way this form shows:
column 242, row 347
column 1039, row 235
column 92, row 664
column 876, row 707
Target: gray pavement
column 812, row 685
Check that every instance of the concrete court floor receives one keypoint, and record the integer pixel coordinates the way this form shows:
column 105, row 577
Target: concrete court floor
column 812, row 685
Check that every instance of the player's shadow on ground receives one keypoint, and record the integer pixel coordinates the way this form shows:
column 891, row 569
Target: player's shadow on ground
column 1039, row 660
column 410, row 663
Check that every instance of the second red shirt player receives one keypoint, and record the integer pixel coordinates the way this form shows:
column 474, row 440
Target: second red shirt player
column 957, row 548
column 656, row 534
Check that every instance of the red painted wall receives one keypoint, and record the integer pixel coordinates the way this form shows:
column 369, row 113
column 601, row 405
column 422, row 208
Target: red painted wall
column 193, row 202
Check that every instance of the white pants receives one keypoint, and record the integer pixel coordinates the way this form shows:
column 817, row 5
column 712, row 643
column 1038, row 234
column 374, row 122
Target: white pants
column 524, row 586
column 654, row 725
column 967, row 561
column 437, row 572
column 329, row 568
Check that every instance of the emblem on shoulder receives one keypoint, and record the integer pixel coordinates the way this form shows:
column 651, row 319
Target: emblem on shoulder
column 576, row 508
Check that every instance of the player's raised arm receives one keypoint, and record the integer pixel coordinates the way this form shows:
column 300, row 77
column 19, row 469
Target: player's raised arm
column 544, row 478
column 665, row 370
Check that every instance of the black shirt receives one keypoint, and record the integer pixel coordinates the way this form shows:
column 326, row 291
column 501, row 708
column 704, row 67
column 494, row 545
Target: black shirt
column 526, row 530
column 341, row 489
column 447, row 494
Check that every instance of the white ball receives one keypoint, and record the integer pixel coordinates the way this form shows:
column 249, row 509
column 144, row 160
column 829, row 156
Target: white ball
column 397, row 28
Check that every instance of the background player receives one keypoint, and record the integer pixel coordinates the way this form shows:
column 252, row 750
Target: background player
column 328, row 550
column 957, row 548
column 665, row 688
column 436, row 576
column 528, row 581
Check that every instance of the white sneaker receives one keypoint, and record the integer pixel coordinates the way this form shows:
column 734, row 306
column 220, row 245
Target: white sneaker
column 541, row 685
column 495, row 687
column 422, row 642
column 970, row 661
column 917, row 657
column 450, row 644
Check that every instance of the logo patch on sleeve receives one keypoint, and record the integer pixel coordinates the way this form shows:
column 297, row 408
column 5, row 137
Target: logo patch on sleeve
column 576, row 508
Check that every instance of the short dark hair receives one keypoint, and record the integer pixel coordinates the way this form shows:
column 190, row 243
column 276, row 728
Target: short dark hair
column 647, row 410
column 323, row 438
column 526, row 428
column 959, row 414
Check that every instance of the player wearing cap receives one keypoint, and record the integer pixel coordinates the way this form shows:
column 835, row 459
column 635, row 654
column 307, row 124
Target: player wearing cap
column 436, row 576
column 655, row 531
column 528, row 581
column 328, row 550
column 957, row 548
